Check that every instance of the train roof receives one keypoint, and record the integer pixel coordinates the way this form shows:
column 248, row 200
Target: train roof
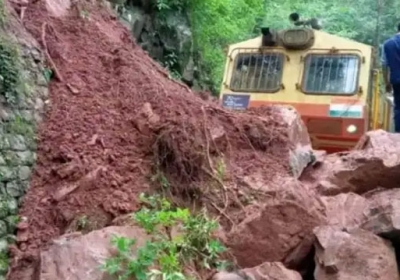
column 322, row 40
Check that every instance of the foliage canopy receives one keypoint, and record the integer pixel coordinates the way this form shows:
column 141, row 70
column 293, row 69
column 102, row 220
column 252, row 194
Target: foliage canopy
column 217, row 23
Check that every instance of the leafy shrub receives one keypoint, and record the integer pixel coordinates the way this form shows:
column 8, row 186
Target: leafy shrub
column 11, row 84
column 166, row 256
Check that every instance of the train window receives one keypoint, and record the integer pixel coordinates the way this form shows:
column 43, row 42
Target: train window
column 257, row 72
column 331, row 74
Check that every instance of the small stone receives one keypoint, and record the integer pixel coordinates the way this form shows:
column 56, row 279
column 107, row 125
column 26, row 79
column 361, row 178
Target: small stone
column 14, row 189
column 3, row 246
column 22, row 225
column 26, row 103
column 3, row 208
column 4, row 143
column 10, row 158
column 36, row 55
column 26, row 157
column 38, row 117
column 12, row 222
column 41, row 80
column 11, row 239
column 24, row 173
column 6, row 173
column 3, row 190
column 12, row 206
column 44, row 93
column 20, row 201
column 31, row 144
column 3, row 228
column 17, row 142
column 27, row 115
column 39, row 104
column 2, row 160
column 25, row 185
column 6, row 114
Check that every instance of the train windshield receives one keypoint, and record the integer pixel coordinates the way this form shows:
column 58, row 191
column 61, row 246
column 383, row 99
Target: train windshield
column 257, row 72
column 331, row 74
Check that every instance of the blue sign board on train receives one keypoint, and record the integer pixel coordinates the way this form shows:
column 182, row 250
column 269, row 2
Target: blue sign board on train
column 235, row 101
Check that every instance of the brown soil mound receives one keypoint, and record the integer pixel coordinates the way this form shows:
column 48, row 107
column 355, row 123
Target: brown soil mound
column 115, row 117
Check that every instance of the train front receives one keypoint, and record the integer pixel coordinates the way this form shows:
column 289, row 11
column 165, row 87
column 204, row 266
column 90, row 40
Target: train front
column 327, row 78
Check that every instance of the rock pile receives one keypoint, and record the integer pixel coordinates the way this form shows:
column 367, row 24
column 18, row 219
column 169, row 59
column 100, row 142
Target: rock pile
column 116, row 119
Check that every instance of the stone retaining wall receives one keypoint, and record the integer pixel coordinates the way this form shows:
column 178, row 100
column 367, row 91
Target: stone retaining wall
column 23, row 95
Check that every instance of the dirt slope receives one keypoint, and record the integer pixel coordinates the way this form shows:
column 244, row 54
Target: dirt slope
column 114, row 118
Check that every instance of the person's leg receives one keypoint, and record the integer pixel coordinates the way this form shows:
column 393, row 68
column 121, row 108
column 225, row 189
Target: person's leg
column 396, row 111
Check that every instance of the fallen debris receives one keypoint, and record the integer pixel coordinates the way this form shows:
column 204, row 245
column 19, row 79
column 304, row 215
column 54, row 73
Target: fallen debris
column 274, row 270
column 346, row 210
column 119, row 119
column 78, row 257
column 129, row 118
column 382, row 216
column 280, row 229
column 353, row 255
column 265, row 271
column 377, row 164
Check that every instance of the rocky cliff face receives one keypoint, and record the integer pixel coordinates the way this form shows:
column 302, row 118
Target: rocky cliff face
column 165, row 33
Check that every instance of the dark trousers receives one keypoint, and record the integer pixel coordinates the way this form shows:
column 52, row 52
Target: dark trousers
column 396, row 112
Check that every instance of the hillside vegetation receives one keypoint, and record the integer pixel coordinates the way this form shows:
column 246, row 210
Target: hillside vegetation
column 217, row 23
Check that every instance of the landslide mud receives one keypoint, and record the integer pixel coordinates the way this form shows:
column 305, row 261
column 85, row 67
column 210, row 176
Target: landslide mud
column 97, row 151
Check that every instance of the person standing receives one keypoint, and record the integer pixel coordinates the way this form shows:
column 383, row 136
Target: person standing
column 391, row 72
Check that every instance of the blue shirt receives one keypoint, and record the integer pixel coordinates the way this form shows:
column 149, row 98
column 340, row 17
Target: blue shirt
column 391, row 58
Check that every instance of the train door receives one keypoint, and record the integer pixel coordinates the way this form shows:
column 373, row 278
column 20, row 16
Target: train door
column 381, row 105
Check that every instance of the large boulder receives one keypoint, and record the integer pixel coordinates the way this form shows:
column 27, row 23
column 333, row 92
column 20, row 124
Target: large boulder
column 265, row 271
column 374, row 163
column 383, row 214
column 274, row 270
column 359, row 254
column 279, row 229
column 379, row 140
column 298, row 140
column 377, row 211
column 302, row 154
column 346, row 210
column 77, row 257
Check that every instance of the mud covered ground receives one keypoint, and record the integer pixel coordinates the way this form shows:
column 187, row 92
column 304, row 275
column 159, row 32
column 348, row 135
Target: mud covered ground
column 116, row 119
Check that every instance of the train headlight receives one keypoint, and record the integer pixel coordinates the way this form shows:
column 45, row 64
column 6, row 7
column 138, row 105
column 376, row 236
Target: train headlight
column 351, row 128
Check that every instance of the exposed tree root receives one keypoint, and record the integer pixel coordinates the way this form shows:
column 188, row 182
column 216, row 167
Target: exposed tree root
column 52, row 64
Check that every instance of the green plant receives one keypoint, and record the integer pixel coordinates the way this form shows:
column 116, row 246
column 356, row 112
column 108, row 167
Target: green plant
column 20, row 126
column 48, row 74
column 170, row 60
column 171, row 63
column 216, row 24
column 177, row 5
column 166, row 255
column 4, row 262
column 11, row 81
column 175, row 75
column 2, row 13
column 82, row 222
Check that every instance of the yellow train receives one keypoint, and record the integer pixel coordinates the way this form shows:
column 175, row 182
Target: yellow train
column 330, row 80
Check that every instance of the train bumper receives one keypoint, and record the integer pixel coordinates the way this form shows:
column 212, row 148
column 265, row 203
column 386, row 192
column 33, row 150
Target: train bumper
column 334, row 134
